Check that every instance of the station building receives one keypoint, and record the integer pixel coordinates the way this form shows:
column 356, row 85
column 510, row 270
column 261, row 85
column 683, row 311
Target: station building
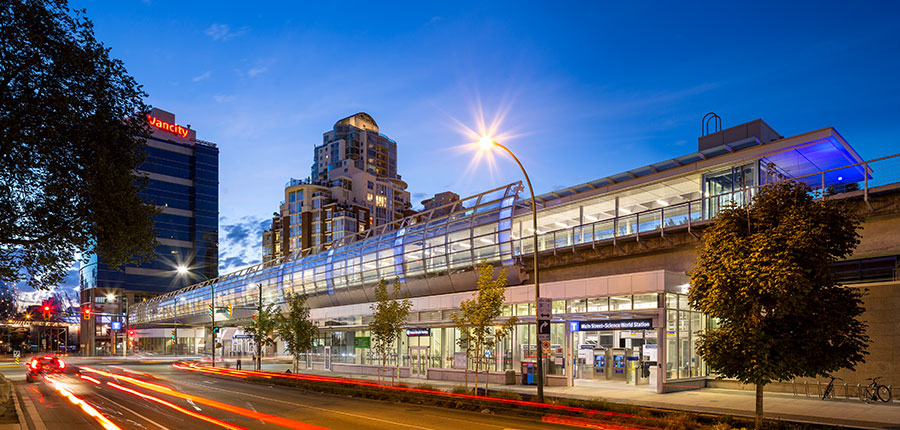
column 614, row 254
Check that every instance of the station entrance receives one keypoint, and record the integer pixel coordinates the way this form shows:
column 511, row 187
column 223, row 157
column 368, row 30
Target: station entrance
column 628, row 357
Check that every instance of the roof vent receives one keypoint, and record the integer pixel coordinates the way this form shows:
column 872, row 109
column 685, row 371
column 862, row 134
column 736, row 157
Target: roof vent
column 756, row 128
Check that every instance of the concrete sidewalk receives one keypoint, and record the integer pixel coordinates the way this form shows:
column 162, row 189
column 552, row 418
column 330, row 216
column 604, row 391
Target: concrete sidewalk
column 707, row 400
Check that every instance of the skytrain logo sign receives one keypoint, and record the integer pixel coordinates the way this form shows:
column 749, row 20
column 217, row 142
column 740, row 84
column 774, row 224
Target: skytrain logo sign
column 171, row 128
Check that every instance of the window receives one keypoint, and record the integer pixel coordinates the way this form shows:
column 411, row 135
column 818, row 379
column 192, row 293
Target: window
column 575, row 306
column 371, row 185
column 645, row 301
column 620, row 303
column 599, row 304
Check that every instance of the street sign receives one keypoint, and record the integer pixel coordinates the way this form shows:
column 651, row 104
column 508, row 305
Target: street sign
column 362, row 342
column 544, row 330
column 17, row 353
column 116, row 325
column 545, row 347
column 545, row 308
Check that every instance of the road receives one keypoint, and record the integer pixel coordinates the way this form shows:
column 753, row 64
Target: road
column 158, row 396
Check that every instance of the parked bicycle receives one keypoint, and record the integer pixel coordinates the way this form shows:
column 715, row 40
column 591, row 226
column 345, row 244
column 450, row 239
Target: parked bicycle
column 829, row 390
column 875, row 391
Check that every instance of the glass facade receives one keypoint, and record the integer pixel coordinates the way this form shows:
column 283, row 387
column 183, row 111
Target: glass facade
column 185, row 184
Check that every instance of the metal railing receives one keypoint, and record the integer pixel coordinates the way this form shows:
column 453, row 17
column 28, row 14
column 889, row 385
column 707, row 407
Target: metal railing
column 823, row 184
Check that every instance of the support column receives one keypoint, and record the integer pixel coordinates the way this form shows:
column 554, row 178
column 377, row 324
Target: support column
column 663, row 352
column 570, row 359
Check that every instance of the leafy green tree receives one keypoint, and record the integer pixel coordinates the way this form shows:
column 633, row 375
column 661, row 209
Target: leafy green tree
column 295, row 327
column 389, row 316
column 261, row 327
column 477, row 317
column 763, row 273
column 72, row 128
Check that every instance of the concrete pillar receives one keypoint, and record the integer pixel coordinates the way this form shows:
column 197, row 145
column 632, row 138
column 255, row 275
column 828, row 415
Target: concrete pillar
column 569, row 353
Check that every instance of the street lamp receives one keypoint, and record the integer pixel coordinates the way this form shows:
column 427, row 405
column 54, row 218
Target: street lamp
column 486, row 143
column 183, row 271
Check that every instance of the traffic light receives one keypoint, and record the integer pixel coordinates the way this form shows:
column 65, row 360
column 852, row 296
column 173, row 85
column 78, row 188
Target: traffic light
column 211, row 309
column 173, row 334
column 254, row 318
column 87, row 313
column 216, row 331
column 46, row 311
column 230, row 309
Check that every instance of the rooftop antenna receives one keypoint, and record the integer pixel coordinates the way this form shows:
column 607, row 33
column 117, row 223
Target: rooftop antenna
column 704, row 123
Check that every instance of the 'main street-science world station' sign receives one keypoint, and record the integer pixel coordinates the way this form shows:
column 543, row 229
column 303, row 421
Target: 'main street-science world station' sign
column 637, row 324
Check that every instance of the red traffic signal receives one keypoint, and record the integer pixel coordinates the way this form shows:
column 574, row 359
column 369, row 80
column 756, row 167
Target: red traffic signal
column 87, row 313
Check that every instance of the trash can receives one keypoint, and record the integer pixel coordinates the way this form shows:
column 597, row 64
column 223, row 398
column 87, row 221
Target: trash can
column 528, row 377
column 510, row 377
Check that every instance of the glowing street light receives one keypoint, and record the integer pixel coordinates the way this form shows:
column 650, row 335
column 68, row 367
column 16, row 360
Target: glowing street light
column 487, row 143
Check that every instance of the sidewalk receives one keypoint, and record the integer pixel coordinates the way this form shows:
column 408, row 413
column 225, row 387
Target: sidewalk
column 708, row 400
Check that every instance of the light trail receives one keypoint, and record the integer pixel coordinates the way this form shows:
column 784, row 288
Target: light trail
column 88, row 378
column 87, row 408
column 176, row 407
column 272, row 419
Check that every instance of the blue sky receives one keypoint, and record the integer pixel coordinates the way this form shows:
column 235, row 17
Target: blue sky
column 585, row 90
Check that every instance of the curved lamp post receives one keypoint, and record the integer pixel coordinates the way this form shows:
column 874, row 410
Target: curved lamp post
column 487, row 143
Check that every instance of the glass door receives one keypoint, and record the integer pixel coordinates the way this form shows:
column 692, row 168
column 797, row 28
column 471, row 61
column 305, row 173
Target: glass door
column 418, row 362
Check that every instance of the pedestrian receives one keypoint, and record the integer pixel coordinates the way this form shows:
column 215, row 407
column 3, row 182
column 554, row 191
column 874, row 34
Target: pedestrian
column 238, row 364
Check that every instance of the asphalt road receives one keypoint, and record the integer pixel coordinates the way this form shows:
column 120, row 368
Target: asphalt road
column 158, row 396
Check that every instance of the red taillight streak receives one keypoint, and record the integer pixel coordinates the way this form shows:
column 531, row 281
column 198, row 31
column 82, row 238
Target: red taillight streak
column 88, row 378
column 284, row 422
column 88, row 409
column 575, row 422
column 176, row 407
column 62, row 365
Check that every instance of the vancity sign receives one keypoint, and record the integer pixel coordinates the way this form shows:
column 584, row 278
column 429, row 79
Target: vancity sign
column 171, row 128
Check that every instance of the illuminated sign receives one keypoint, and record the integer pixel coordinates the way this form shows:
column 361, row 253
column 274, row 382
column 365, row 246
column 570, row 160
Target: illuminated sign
column 414, row 332
column 171, row 128
column 636, row 324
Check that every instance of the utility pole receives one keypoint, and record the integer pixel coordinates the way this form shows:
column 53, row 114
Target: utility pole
column 212, row 301
column 124, row 330
column 258, row 320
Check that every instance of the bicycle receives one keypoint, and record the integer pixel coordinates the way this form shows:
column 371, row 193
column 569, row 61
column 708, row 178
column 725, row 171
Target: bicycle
column 829, row 390
column 876, row 391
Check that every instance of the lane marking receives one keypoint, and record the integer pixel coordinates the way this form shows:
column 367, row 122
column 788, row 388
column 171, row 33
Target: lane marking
column 195, row 406
column 364, row 417
column 177, row 408
column 254, row 410
column 133, row 411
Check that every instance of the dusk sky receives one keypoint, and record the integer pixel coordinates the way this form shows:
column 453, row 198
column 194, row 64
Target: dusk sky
column 584, row 90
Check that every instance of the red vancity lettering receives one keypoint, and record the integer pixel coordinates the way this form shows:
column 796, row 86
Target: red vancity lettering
column 171, row 128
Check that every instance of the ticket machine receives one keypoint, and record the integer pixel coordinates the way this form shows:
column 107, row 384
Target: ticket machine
column 618, row 364
column 601, row 368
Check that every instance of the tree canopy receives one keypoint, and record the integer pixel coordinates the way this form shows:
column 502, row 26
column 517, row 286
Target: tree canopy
column 72, row 128
column 763, row 273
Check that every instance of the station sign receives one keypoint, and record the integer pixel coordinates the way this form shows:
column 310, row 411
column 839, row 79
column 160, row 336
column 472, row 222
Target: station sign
column 634, row 324
column 241, row 336
column 418, row 331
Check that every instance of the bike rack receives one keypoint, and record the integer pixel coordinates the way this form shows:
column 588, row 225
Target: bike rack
column 846, row 392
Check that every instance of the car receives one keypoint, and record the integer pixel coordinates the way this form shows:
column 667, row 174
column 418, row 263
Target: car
column 46, row 365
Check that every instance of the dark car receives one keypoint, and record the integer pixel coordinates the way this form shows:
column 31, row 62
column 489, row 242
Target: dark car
column 46, row 365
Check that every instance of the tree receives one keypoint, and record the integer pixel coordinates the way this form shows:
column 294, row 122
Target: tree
column 476, row 319
column 295, row 327
column 72, row 132
column 261, row 327
column 389, row 317
column 763, row 273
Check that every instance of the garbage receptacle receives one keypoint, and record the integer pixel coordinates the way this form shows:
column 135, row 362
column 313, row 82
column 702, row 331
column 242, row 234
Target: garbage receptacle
column 510, row 377
column 528, row 377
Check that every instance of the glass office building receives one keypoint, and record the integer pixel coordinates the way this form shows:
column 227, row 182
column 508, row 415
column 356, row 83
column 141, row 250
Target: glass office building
column 620, row 310
column 184, row 183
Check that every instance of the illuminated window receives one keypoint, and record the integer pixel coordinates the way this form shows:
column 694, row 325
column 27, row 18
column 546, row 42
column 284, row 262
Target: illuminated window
column 380, row 201
column 369, row 197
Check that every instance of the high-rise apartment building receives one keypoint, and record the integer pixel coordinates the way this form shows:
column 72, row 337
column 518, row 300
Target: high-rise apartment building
column 183, row 175
column 354, row 186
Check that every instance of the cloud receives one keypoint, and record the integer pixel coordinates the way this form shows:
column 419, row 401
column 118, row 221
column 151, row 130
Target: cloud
column 223, row 32
column 418, row 196
column 223, row 99
column 256, row 71
column 240, row 244
column 202, row 76
column 433, row 20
